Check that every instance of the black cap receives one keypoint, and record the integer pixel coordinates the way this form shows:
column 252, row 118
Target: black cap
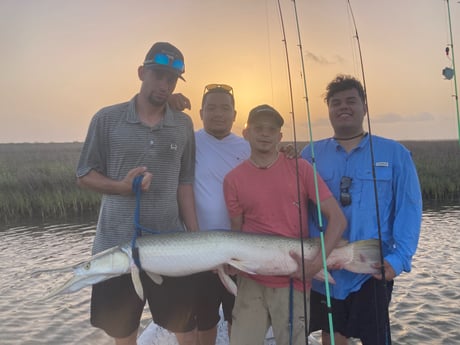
column 164, row 55
column 265, row 109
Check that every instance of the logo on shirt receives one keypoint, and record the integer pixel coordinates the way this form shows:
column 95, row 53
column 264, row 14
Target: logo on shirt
column 173, row 147
column 381, row 164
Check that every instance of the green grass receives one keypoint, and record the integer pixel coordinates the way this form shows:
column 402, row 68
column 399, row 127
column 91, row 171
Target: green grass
column 38, row 180
column 438, row 167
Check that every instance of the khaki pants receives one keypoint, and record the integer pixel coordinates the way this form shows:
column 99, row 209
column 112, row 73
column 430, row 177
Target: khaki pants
column 257, row 307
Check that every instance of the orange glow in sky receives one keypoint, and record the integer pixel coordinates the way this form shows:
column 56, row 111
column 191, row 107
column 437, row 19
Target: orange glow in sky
column 64, row 60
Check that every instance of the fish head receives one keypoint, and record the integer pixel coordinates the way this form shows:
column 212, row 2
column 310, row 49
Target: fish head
column 105, row 265
column 113, row 261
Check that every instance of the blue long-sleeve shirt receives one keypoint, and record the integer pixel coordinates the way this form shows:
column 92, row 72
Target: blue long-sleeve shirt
column 399, row 202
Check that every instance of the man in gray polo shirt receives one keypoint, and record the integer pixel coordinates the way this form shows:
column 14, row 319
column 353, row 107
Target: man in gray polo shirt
column 143, row 136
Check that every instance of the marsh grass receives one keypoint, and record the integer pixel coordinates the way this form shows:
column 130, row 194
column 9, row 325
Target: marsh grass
column 438, row 167
column 38, row 180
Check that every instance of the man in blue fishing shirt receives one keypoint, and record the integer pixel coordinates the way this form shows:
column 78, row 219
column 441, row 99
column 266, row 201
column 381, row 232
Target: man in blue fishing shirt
column 359, row 301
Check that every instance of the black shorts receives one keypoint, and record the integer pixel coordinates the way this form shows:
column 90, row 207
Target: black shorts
column 116, row 308
column 363, row 314
column 211, row 294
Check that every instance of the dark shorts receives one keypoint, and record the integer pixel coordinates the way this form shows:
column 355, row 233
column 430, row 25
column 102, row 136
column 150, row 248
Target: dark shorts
column 363, row 314
column 116, row 308
column 211, row 294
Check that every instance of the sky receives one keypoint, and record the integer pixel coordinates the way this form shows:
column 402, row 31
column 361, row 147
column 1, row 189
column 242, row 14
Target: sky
column 63, row 60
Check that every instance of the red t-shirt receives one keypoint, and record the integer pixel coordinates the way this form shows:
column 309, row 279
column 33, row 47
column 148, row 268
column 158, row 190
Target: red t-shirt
column 268, row 201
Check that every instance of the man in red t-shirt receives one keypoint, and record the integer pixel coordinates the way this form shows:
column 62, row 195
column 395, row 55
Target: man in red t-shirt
column 262, row 197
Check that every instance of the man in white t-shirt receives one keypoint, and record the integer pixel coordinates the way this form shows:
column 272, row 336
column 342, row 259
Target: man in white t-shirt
column 218, row 151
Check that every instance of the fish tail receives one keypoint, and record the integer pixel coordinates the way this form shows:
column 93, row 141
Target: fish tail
column 364, row 254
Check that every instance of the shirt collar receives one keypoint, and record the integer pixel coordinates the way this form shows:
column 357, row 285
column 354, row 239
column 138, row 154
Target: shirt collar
column 363, row 142
column 133, row 117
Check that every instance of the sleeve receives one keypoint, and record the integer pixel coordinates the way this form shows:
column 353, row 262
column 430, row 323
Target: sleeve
column 187, row 173
column 408, row 214
column 234, row 207
column 93, row 154
column 306, row 153
column 315, row 185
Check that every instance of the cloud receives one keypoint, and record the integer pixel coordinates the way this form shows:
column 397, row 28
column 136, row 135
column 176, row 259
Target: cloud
column 388, row 117
column 395, row 117
column 422, row 117
column 321, row 60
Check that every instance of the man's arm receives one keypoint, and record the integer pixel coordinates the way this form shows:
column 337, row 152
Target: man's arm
column 236, row 223
column 102, row 184
column 179, row 102
column 407, row 217
column 186, row 201
column 336, row 224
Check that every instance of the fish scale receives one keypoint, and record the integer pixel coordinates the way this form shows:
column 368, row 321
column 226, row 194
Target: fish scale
column 184, row 253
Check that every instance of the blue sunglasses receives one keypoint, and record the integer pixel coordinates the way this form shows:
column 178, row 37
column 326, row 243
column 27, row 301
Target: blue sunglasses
column 165, row 60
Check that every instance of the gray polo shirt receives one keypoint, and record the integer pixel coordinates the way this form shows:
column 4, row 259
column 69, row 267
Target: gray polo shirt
column 117, row 142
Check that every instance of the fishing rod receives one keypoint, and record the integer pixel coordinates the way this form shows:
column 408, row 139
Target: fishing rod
column 382, row 261
column 453, row 67
column 315, row 175
column 299, row 202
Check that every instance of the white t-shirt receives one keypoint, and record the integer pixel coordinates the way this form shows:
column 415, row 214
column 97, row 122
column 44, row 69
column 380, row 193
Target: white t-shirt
column 214, row 159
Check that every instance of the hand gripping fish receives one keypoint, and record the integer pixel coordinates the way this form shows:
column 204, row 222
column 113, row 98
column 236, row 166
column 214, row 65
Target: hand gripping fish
column 183, row 253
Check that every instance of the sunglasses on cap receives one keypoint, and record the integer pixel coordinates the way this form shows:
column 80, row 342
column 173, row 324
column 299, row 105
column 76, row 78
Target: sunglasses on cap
column 345, row 196
column 218, row 87
column 165, row 60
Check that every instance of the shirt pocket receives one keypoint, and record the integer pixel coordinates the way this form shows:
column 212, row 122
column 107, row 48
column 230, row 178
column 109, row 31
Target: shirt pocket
column 365, row 185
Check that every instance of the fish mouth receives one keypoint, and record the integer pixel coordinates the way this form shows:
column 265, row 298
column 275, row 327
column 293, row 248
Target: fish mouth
column 76, row 283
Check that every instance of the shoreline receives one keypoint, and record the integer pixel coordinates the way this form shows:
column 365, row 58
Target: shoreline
column 38, row 180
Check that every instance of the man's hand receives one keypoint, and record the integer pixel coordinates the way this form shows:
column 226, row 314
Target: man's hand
column 389, row 271
column 289, row 151
column 312, row 267
column 179, row 102
column 131, row 175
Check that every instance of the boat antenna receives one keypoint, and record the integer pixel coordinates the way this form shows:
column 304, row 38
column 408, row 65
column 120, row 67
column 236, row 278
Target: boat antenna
column 450, row 72
column 299, row 200
column 313, row 158
column 379, row 228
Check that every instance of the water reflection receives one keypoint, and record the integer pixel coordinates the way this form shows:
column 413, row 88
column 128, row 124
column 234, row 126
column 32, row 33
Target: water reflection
column 425, row 306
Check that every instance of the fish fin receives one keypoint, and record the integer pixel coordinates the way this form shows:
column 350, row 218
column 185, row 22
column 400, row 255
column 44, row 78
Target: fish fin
column 227, row 281
column 246, row 267
column 157, row 279
column 320, row 276
column 136, row 278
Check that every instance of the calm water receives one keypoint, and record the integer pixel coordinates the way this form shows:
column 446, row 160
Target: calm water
column 425, row 307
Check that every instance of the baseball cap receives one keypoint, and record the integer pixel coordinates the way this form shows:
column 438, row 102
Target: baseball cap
column 265, row 109
column 164, row 55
